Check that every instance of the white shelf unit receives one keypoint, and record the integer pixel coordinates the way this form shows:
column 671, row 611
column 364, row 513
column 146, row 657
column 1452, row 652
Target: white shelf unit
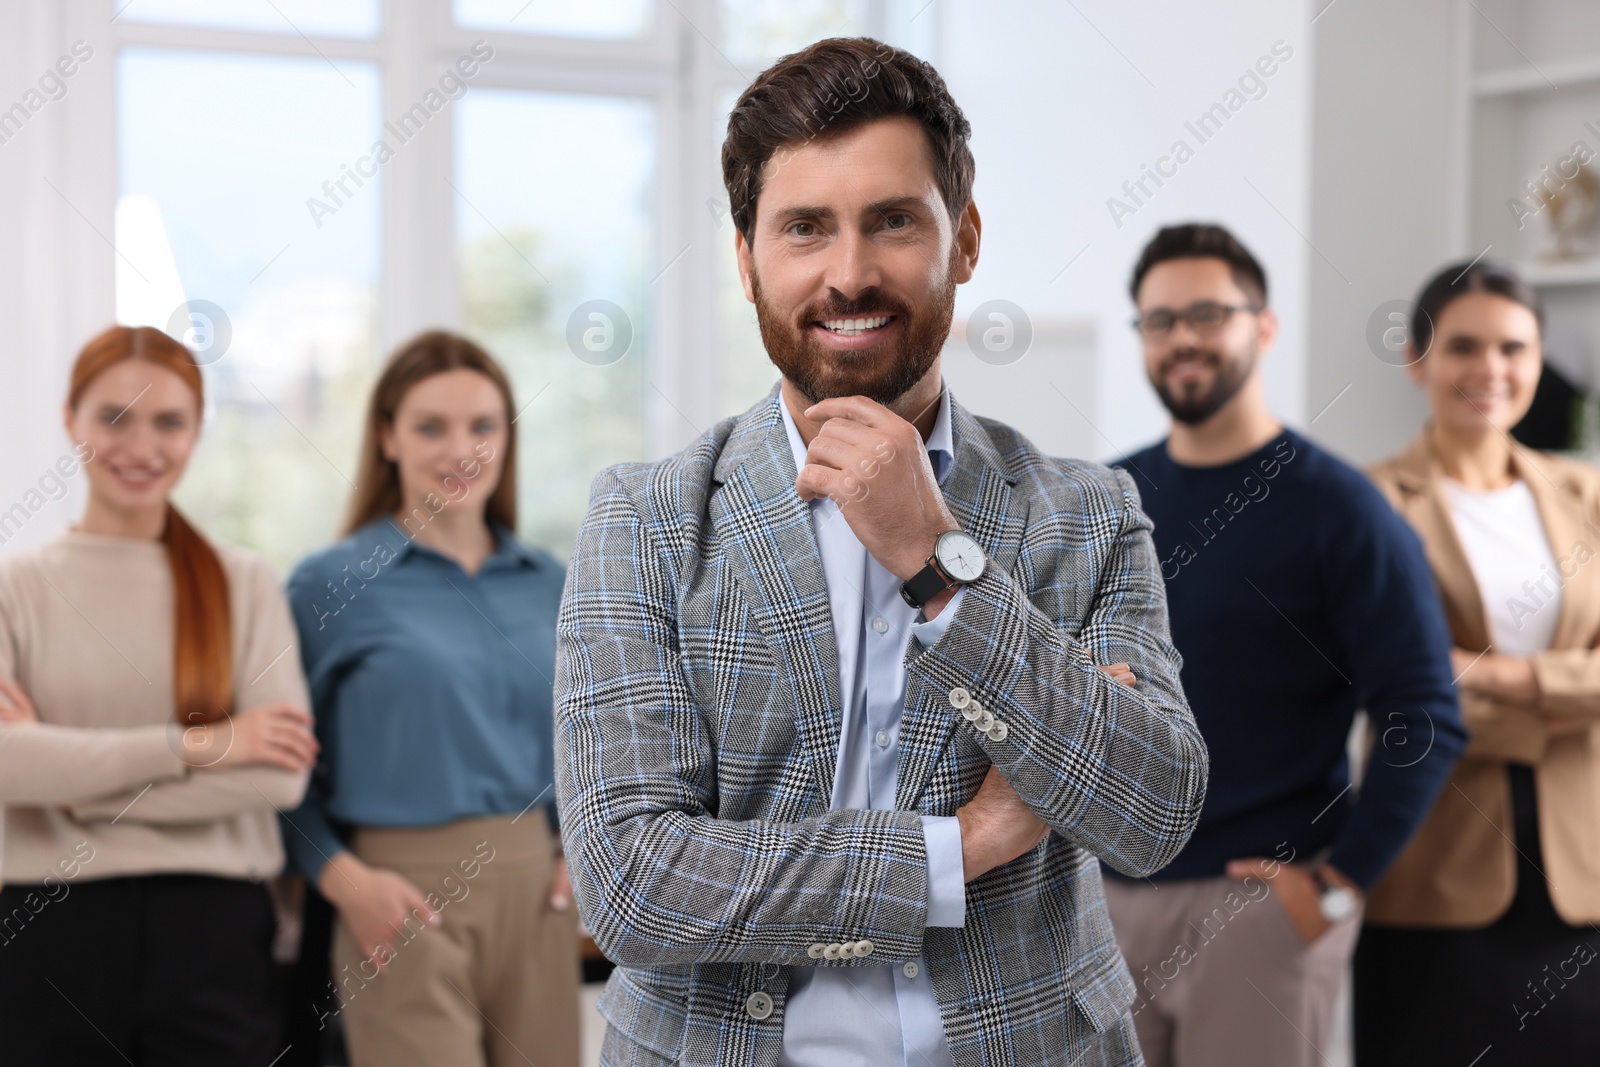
column 1551, row 274
column 1548, row 77
column 1530, row 78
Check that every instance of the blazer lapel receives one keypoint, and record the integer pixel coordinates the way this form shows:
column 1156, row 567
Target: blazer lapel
column 978, row 490
column 1561, row 509
column 766, row 532
column 1428, row 509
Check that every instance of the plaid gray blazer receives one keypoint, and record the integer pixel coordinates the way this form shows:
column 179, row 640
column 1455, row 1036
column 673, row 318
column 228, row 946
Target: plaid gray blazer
column 697, row 724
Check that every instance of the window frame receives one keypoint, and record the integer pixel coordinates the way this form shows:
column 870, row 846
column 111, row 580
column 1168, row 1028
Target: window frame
column 677, row 68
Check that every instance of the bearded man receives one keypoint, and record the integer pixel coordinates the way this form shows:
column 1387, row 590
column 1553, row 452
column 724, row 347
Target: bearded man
column 855, row 693
column 1297, row 596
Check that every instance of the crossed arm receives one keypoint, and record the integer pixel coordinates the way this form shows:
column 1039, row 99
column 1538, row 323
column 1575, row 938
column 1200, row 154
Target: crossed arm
column 147, row 773
column 661, row 881
column 161, row 773
column 1120, row 772
column 1514, row 706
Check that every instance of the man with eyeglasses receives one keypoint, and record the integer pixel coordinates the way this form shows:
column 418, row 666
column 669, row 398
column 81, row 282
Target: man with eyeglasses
column 1296, row 597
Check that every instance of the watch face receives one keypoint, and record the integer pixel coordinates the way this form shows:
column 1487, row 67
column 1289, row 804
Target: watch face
column 1338, row 904
column 960, row 556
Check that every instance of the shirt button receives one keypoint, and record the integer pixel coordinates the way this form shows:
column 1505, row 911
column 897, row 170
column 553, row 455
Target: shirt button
column 910, row 970
column 881, row 625
column 759, row 1005
column 882, row 739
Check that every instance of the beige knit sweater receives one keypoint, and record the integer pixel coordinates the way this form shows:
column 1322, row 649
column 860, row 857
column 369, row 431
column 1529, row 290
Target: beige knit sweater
column 86, row 628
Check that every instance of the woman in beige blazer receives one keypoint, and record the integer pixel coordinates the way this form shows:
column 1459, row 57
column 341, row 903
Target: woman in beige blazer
column 1479, row 941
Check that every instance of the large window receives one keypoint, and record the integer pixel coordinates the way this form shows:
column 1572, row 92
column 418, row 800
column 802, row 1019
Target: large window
column 219, row 158
column 591, row 18
column 554, row 240
column 754, row 32
column 562, row 205
column 332, row 18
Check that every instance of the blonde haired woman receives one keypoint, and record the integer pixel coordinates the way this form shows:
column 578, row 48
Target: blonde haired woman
column 1479, row 943
column 152, row 717
column 429, row 643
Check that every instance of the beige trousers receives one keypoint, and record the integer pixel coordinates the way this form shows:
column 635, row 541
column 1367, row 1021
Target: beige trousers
column 496, row 984
column 1224, row 977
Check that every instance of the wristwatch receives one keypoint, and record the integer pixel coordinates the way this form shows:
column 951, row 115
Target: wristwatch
column 957, row 560
column 1337, row 902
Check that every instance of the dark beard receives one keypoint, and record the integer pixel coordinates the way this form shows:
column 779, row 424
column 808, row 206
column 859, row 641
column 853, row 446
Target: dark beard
column 1232, row 373
column 883, row 372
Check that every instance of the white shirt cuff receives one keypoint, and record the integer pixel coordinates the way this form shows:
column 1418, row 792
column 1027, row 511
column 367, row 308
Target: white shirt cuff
column 928, row 632
column 947, row 888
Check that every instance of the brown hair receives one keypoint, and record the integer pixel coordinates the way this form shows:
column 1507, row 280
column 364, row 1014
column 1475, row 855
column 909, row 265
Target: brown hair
column 202, row 668
column 1458, row 279
column 1202, row 240
column 829, row 89
column 377, row 478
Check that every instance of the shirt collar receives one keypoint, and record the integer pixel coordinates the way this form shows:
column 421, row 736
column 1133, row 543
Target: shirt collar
column 940, row 444
column 509, row 548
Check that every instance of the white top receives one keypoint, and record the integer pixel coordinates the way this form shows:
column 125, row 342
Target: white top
column 1506, row 546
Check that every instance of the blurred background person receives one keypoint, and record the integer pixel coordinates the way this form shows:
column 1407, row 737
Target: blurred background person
column 1475, row 939
column 152, row 717
column 428, row 635
column 1297, row 598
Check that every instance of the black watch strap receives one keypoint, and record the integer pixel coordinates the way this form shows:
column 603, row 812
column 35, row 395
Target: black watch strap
column 923, row 586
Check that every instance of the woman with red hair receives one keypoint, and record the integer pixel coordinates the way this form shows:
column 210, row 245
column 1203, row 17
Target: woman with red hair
column 152, row 719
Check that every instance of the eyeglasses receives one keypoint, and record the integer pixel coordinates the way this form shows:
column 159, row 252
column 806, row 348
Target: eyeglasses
column 1206, row 316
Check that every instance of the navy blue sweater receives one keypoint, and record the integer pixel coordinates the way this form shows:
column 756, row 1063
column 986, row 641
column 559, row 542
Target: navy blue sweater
column 1297, row 597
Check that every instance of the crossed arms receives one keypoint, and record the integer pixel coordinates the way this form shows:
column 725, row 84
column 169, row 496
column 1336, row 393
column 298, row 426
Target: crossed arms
column 662, row 881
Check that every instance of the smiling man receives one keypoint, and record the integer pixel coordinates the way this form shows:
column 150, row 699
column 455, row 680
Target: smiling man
column 835, row 759
column 1297, row 597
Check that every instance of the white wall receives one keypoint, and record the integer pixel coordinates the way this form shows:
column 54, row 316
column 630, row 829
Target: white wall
column 1069, row 101
column 55, row 263
column 1384, row 181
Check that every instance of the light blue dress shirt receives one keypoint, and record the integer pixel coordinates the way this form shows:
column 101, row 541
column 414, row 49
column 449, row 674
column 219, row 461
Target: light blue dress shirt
column 841, row 1017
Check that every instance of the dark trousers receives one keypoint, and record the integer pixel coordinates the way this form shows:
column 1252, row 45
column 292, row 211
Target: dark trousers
column 1523, row 991
column 159, row 970
column 312, row 1024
